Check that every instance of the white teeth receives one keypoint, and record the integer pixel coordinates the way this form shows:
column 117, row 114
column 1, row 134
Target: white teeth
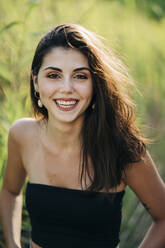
column 65, row 106
column 60, row 102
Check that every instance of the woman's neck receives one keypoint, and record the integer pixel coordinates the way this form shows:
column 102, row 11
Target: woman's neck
column 63, row 136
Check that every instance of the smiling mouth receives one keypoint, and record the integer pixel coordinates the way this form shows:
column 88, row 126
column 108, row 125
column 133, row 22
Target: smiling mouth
column 66, row 105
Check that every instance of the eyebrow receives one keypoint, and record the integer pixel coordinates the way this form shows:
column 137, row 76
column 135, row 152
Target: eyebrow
column 58, row 69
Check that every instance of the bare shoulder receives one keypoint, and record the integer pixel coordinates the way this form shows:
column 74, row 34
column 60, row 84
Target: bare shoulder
column 137, row 173
column 22, row 129
column 20, row 135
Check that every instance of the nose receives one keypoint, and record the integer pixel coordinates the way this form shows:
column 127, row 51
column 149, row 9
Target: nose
column 66, row 86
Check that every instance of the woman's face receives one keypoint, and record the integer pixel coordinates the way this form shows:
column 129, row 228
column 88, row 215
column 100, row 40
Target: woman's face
column 64, row 83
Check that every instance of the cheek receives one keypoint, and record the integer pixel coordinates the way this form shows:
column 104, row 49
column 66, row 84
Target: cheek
column 89, row 92
column 47, row 89
column 86, row 91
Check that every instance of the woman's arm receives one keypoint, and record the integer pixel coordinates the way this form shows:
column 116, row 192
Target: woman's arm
column 11, row 213
column 155, row 237
column 11, row 192
column 145, row 181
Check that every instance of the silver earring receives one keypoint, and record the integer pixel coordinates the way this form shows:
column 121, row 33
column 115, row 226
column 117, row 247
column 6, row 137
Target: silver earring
column 93, row 106
column 38, row 97
column 40, row 103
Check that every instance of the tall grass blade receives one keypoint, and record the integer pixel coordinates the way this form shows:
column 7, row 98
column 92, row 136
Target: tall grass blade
column 9, row 25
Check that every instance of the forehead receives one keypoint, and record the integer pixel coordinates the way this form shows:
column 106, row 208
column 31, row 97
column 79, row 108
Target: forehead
column 62, row 57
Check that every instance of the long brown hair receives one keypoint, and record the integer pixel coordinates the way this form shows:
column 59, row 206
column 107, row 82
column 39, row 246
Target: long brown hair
column 111, row 138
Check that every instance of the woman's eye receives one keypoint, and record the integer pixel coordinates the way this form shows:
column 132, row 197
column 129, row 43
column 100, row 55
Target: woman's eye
column 53, row 75
column 80, row 76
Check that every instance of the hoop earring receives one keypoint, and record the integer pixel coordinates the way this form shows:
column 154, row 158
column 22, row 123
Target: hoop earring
column 38, row 97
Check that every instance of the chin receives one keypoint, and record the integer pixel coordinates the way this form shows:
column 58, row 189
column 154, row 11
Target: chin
column 69, row 119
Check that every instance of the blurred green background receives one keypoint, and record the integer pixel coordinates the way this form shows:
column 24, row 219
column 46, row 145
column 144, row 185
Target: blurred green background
column 134, row 29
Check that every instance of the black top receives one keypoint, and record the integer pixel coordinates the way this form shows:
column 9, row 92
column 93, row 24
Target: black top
column 62, row 217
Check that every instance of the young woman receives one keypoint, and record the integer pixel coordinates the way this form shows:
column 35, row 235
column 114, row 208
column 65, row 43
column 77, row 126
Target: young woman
column 80, row 151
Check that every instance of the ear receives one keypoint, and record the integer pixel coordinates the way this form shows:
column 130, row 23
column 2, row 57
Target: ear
column 35, row 82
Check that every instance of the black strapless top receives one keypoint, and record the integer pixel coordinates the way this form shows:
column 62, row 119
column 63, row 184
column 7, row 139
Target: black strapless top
column 72, row 218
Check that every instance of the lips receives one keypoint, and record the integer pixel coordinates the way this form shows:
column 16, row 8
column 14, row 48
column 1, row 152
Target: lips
column 66, row 104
